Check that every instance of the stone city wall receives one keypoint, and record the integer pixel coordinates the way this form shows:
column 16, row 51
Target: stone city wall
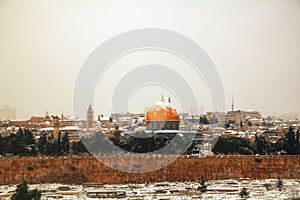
column 77, row 170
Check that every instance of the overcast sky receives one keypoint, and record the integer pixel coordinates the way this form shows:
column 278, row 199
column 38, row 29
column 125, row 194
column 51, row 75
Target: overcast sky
column 254, row 44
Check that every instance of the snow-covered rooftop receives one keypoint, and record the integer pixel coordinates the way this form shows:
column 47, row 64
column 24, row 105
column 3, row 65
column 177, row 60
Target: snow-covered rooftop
column 70, row 128
column 162, row 105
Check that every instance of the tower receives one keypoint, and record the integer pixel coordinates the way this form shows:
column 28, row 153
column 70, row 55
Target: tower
column 47, row 117
column 89, row 118
column 232, row 103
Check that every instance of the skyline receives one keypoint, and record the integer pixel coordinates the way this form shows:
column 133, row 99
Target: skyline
column 254, row 46
column 12, row 113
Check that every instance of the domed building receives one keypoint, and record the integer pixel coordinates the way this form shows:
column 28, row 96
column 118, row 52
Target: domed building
column 162, row 116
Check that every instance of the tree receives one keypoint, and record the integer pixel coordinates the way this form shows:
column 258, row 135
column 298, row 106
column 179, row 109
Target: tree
column 16, row 144
column 51, row 148
column 298, row 142
column 1, row 145
column 249, row 123
column 260, row 144
column 191, row 149
column 20, row 133
column 28, row 137
column 291, row 145
column 98, row 144
column 227, row 125
column 58, row 142
column 29, row 143
column 277, row 147
column 231, row 121
column 279, row 184
column 65, row 143
column 214, row 120
column 202, row 186
column 78, row 148
column 22, row 193
column 203, row 120
column 232, row 144
column 42, row 143
column 244, row 193
column 35, row 194
column 143, row 142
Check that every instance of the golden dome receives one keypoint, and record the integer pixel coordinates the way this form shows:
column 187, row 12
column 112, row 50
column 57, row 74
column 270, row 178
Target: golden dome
column 162, row 111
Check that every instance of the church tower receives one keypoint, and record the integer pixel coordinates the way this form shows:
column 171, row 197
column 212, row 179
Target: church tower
column 89, row 118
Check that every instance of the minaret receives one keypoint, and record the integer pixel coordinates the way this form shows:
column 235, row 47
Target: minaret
column 232, row 103
column 89, row 118
column 47, row 117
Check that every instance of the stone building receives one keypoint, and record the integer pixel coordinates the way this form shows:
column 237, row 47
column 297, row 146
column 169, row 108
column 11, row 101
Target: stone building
column 235, row 116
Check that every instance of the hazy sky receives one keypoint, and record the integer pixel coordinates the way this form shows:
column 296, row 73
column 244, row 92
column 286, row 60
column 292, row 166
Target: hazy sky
column 254, row 44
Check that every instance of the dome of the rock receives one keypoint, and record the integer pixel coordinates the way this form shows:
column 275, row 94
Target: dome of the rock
column 162, row 115
column 162, row 111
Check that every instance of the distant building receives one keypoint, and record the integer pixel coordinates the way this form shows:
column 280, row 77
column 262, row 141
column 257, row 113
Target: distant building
column 7, row 113
column 89, row 118
column 235, row 116
column 242, row 115
column 220, row 116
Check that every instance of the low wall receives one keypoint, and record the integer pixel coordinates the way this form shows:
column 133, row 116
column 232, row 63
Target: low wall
column 76, row 169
